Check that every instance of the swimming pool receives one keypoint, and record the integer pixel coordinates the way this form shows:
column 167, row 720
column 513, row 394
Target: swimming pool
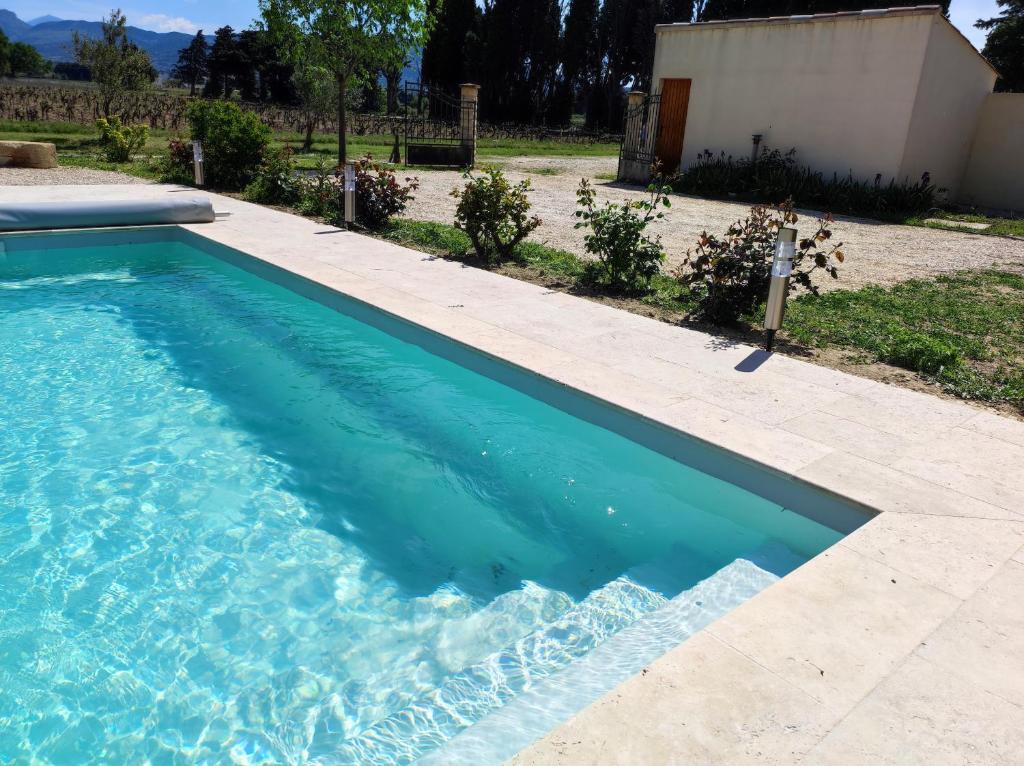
column 245, row 519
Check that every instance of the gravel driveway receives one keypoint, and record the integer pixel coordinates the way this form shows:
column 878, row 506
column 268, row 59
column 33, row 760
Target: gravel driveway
column 64, row 176
column 875, row 252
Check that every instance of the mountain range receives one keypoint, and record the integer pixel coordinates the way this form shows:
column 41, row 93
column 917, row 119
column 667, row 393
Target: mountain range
column 52, row 38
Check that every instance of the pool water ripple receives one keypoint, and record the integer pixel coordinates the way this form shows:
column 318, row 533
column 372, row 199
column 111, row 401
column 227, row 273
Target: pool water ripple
column 237, row 526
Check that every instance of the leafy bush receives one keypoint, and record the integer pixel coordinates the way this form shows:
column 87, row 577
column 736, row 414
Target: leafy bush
column 319, row 195
column 379, row 195
column 275, row 184
column 776, row 176
column 177, row 166
column 617, row 236
column 729, row 277
column 494, row 214
column 234, row 142
column 120, row 141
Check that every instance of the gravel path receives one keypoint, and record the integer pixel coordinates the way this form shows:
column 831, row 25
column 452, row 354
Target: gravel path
column 875, row 252
column 64, row 176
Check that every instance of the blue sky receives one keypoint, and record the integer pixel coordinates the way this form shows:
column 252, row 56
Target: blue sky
column 190, row 15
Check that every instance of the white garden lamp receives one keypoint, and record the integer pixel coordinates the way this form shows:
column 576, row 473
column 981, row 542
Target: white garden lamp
column 782, row 267
column 350, row 194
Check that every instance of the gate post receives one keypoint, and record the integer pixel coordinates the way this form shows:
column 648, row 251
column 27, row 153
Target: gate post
column 634, row 140
column 470, row 93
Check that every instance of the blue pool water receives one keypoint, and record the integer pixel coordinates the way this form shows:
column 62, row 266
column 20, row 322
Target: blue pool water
column 238, row 526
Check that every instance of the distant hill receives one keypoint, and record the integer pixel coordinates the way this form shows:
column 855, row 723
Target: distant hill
column 12, row 26
column 43, row 20
column 53, row 38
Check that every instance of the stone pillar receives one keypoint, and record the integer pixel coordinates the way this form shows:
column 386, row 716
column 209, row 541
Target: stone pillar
column 634, row 141
column 467, row 122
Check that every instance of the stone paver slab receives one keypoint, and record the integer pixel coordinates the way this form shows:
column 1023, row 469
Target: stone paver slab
column 923, row 715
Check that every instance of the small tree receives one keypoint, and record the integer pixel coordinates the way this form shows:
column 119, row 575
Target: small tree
column 618, row 236
column 116, row 64
column 193, row 63
column 318, row 97
column 729, row 276
column 351, row 39
column 494, row 214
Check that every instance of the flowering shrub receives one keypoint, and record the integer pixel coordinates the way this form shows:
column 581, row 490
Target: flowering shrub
column 379, row 195
column 494, row 214
column 617, row 235
column 120, row 141
column 729, row 276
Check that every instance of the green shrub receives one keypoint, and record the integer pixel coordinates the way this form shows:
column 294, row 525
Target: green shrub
column 177, row 166
column 729, row 277
column 318, row 194
column 494, row 214
column 120, row 141
column 776, row 176
column 379, row 195
column 617, row 238
column 234, row 142
column 276, row 183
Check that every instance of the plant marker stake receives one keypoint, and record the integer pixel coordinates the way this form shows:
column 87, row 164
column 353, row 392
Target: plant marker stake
column 782, row 267
column 350, row 194
column 197, row 161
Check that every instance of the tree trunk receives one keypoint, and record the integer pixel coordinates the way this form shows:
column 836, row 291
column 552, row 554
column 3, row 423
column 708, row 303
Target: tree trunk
column 192, row 88
column 342, row 118
column 307, row 143
column 392, row 78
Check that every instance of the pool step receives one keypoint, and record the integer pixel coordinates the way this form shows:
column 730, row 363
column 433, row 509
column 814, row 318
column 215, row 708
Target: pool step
column 514, row 696
column 472, row 693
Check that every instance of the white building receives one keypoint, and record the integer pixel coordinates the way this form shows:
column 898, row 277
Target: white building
column 893, row 92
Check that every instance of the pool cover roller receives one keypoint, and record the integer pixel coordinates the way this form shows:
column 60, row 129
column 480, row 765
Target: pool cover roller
column 26, row 216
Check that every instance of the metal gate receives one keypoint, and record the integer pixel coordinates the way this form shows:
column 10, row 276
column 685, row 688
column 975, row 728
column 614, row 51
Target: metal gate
column 639, row 139
column 440, row 128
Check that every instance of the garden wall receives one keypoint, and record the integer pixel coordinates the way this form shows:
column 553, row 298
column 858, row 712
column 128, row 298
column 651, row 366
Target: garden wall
column 995, row 171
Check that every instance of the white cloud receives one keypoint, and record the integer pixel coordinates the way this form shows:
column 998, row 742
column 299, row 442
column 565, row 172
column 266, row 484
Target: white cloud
column 159, row 22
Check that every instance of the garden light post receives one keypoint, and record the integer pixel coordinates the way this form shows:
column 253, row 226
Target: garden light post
column 197, row 161
column 350, row 194
column 782, row 267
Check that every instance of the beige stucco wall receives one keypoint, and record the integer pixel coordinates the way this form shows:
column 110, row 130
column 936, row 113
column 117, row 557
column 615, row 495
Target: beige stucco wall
column 955, row 82
column 843, row 91
column 995, row 171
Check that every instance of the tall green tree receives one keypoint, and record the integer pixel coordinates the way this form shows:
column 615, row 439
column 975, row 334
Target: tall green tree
column 1005, row 45
column 444, row 55
column 5, row 54
column 26, row 61
column 352, row 39
column 520, row 61
column 225, row 64
column 116, row 64
column 193, row 63
column 579, row 58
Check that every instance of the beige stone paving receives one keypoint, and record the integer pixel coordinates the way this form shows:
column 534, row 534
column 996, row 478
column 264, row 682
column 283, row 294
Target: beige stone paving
column 901, row 644
column 877, row 253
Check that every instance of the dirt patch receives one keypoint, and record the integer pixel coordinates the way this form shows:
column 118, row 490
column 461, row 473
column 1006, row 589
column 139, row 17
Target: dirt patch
column 876, row 253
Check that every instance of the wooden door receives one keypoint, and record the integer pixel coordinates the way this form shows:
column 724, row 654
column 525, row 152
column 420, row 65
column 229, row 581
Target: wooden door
column 675, row 100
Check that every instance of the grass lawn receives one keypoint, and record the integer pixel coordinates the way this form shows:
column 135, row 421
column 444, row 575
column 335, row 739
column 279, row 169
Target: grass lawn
column 77, row 146
column 1006, row 227
column 963, row 332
